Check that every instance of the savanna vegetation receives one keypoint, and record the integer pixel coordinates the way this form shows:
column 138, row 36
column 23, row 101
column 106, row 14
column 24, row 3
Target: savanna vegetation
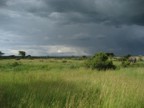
column 69, row 83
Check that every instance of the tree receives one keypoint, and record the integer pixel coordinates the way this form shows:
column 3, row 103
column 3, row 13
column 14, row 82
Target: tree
column 1, row 53
column 22, row 53
column 100, row 61
column 110, row 54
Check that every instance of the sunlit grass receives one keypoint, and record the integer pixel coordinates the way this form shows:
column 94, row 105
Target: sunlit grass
column 67, row 84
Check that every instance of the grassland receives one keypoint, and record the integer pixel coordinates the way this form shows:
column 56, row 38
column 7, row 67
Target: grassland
column 66, row 83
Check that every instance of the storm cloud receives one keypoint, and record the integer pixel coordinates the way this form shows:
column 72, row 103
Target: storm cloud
column 72, row 27
column 3, row 2
column 107, row 11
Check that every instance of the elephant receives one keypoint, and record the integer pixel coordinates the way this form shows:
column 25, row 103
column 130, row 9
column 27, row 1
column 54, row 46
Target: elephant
column 132, row 60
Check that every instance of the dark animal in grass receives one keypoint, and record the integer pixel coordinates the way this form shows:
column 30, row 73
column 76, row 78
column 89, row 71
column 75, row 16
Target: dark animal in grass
column 132, row 60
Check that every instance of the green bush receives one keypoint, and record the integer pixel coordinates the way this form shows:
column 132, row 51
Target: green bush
column 100, row 62
column 140, row 58
column 125, row 63
column 15, row 64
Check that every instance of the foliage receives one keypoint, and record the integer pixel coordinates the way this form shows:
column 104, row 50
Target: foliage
column 127, row 60
column 1, row 53
column 83, row 57
column 15, row 64
column 127, row 56
column 140, row 58
column 125, row 63
column 22, row 53
column 100, row 61
column 110, row 55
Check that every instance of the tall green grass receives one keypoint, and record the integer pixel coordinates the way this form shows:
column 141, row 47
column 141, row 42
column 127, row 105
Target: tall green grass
column 67, row 84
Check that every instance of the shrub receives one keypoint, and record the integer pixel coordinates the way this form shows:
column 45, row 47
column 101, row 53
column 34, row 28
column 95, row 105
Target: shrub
column 64, row 61
column 125, row 63
column 83, row 57
column 127, row 56
column 127, row 60
column 140, row 58
column 100, row 62
column 15, row 64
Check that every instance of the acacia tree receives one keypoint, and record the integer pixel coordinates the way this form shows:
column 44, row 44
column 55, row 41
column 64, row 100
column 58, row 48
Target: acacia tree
column 1, row 53
column 22, row 53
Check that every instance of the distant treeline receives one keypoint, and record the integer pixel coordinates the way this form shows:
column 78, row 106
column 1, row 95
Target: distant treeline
column 41, row 57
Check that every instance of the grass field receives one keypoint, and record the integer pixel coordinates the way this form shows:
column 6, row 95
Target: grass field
column 66, row 83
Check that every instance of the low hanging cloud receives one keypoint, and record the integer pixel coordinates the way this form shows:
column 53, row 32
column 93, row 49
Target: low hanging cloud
column 72, row 27
column 47, row 50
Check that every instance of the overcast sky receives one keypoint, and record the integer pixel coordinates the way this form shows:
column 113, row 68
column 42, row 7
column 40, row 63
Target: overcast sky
column 72, row 27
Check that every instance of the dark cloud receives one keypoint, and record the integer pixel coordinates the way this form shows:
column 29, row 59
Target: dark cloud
column 84, row 11
column 3, row 3
column 73, row 27
column 82, row 6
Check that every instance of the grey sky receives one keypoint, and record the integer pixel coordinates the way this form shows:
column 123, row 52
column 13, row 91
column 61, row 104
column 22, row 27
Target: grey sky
column 71, row 27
